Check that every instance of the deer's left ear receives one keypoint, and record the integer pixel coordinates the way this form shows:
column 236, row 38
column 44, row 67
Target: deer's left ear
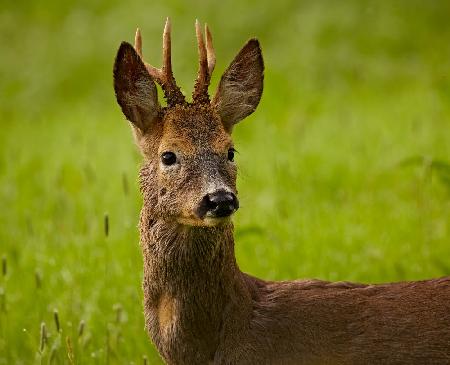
column 241, row 85
column 135, row 88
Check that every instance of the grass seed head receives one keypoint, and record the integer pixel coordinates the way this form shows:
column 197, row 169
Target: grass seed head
column 2, row 300
column 4, row 265
column 43, row 338
column 38, row 279
column 106, row 225
column 81, row 328
column 56, row 317
column 70, row 353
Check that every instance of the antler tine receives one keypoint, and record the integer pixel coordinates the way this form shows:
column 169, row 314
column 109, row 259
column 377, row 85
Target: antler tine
column 167, row 51
column 203, row 63
column 153, row 71
column 211, row 54
column 163, row 76
column 206, row 64
column 138, row 42
column 171, row 90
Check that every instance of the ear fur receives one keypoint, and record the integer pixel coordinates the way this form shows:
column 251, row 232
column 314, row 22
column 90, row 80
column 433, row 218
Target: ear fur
column 241, row 85
column 135, row 89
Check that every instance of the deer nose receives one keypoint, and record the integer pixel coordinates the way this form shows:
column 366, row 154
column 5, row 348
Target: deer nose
column 219, row 204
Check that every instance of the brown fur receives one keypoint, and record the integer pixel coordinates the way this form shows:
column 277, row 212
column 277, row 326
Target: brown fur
column 199, row 307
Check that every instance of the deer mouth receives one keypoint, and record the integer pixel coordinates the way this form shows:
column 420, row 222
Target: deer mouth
column 205, row 221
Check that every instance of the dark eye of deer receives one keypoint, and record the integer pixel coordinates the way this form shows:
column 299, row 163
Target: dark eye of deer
column 231, row 154
column 168, row 158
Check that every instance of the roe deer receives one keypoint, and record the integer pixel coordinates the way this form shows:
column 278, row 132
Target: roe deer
column 199, row 307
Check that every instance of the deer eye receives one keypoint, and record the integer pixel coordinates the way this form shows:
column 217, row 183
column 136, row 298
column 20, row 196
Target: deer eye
column 231, row 152
column 168, row 158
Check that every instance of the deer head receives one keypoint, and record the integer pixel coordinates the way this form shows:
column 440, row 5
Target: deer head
column 189, row 175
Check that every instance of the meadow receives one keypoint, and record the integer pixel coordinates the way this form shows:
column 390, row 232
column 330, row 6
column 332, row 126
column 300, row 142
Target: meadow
column 344, row 169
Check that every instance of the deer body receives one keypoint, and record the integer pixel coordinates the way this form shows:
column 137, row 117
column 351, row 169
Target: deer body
column 199, row 307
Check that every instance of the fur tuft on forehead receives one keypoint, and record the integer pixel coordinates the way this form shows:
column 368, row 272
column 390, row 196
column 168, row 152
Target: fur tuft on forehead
column 198, row 125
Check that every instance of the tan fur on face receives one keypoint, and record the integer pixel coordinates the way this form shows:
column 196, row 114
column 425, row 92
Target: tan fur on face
column 196, row 135
column 198, row 138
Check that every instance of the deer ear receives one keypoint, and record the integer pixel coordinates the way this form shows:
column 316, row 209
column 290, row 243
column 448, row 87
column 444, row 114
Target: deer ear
column 135, row 89
column 241, row 85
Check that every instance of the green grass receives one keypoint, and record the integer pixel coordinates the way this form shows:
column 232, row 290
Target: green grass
column 344, row 168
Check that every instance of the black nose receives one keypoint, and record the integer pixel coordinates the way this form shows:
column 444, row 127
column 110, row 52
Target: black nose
column 221, row 203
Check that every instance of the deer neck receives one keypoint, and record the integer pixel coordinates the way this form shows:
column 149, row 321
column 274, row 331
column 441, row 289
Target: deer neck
column 190, row 278
column 180, row 256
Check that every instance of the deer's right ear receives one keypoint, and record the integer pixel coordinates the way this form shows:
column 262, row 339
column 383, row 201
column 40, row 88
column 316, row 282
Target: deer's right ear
column 135, row 89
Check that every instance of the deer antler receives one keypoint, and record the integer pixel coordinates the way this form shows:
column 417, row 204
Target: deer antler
column 163, row 76
column 207, row 61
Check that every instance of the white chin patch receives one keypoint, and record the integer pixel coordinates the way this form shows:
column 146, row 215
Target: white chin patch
column 213, row 221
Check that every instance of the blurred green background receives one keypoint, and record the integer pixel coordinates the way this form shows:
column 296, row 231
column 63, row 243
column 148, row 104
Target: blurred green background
column 344, row 167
